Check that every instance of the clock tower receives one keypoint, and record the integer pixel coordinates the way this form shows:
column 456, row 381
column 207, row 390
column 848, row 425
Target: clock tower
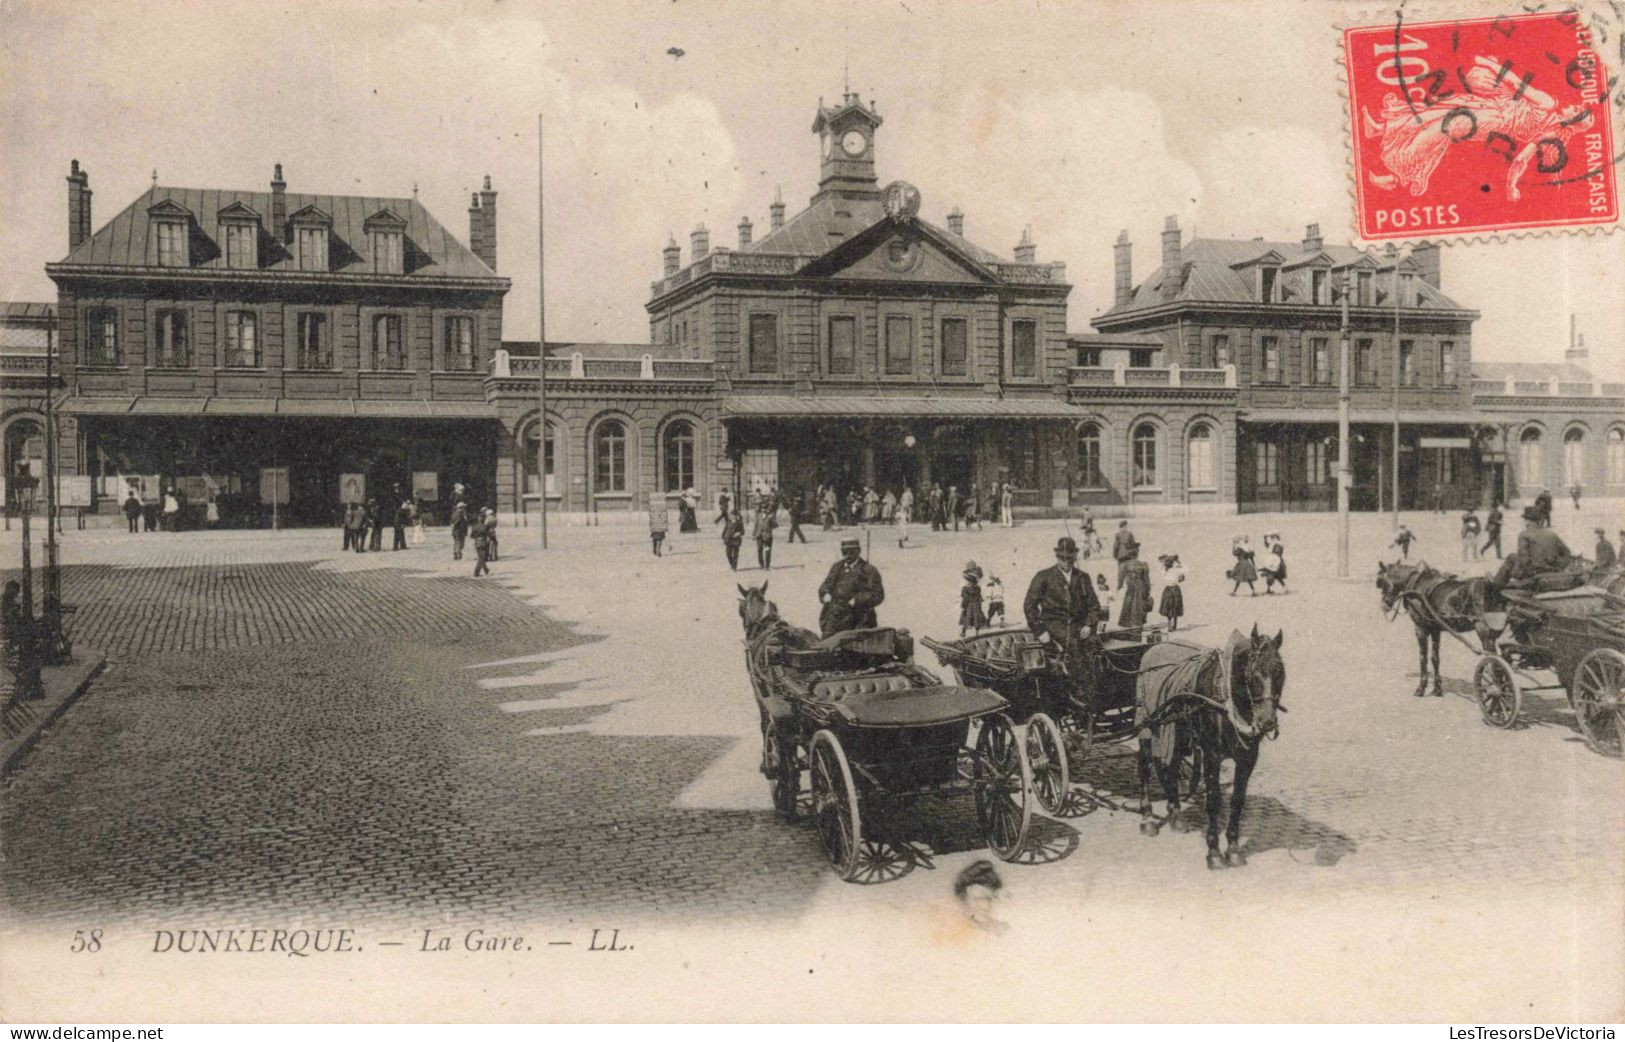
column 846, row 136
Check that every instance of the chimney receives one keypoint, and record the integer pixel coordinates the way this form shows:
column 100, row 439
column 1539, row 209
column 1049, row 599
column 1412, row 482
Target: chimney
column 956, row 222
column 744, row 232
column 476, row 226
column 1312, row 242
column 78, row 206
column 1026, row 251
column 776, row 211
column 1576, row 353
column 672, row 256
column 488, row 226
column 699, row 243
column 279, row 205
column 1173, row 263
column 1430, row 260
column 1123, row 268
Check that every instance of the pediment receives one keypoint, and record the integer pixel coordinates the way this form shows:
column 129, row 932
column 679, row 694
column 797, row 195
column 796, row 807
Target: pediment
column 169, row 208
column 385, row 220
column 237, row 212
column 1267, row 257
column 898, row 251
column 311, row 215
column 1363, row 263
column 1318, row 260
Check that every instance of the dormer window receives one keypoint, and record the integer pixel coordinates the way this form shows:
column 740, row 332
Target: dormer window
column 311, row 234
column 172, row 252
column 1407, row 290
column 386, row 233
column 1319, row 286
column 1269, row 278
column 240, row 228
column 1363, row 289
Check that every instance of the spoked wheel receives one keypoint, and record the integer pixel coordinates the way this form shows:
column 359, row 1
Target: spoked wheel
column 835, row 805
column 1598, row 693
column 1001, row 779
column 1499, row 695
column 784, row 774
column 1046, row 754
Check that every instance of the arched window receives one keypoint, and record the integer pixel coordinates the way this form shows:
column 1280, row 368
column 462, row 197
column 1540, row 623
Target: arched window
column 1200, row 454
column 1615, row 449
column 1090, row 474
column 679, row 456
column 1529, row 457
column 1145, row 456
column 550, row 455
column 609, row 457
column 1574, row 456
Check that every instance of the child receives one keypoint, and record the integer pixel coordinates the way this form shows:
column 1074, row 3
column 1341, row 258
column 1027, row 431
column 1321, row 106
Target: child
column 1403, row 539
column 1469, row 535
column 995, row 600
column 1172, row 604
column 657, row 520
column 1280, row 558
column 1103, row 594
column 971, row 619
column 1242, row 571
column 1270, row 566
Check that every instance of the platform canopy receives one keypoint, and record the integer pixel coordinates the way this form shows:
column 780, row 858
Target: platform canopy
column 1431, row 416
column 895, row 407
column 377, row 408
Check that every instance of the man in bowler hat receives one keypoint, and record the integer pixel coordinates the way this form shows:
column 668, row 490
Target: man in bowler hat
column 1063, row 611
column 850, row 593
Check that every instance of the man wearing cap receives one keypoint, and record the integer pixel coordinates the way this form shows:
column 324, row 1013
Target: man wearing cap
column 1061, row 605
column 1125, row 548
column 1543, row 505
column 1605, row 552
column 850, row 593
column 1541, row 551
column 1492, row 530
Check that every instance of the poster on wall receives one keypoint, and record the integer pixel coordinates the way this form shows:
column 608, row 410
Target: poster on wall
column 425, row 485
column 75, row 491
column 352, row 488
column 195, row 487
column 274, row 486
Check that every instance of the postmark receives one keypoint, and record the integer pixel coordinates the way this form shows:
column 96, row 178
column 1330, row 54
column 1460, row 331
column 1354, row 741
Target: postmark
column 1472, row 126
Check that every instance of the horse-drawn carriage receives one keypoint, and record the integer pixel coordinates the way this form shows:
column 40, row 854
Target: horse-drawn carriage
column 1579, row 636
column 875, row 732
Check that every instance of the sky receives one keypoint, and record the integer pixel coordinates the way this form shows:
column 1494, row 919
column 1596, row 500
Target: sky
column 1078, row 120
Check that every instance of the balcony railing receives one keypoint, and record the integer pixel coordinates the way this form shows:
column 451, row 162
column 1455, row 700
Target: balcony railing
column 23, row 363
column 1553, row 388
column 725, row 260
column 580, row 367
column 1150, row 377
column 1053, row 272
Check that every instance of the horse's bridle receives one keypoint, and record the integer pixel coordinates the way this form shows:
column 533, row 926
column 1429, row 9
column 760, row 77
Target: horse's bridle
column 1392, row 608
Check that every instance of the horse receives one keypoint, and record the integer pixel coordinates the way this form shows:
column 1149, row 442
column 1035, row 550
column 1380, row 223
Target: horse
column 1224, row 703
column 1435, row 601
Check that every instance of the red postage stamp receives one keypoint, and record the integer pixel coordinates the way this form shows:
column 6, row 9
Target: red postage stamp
column 1480, row 125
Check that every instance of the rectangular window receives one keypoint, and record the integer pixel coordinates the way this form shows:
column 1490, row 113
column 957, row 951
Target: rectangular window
column 1201, row 460
column 1365, row 363
column 843, row 345
column 1407, row 363
column 1267, row 463
column 1219, row 355
column 1320, row 360
column 1024, row 348
column 459, row 343
column 242, row 340
column 1363, row 289
column 171, row 347
column 388, row 346
column 387, row 252
column 1407, row 290
column 1315, row 462
column 172, row 244
column 1269, row 351
column 954, row 350
column 1447, row 363
column 242, row 246
column 312, row 245
column 764, row 343
column 1318, row 286
column 314, row 350
column 899, row 345
column 101, row 344
column 1267, row 278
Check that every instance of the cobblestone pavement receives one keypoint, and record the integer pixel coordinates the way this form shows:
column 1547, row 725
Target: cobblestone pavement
column 576, row 736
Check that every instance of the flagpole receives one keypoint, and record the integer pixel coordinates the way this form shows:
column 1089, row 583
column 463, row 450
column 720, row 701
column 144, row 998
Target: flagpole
column 541, row 338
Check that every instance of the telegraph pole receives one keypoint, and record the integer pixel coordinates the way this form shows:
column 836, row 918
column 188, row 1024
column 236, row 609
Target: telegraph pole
column 51, row 616
column 541, row 338
column 1393, row 253
column 1345, row 472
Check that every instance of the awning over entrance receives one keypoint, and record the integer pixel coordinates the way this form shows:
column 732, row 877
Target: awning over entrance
column 893, row 407
column 1436, row 416
column 148, row 405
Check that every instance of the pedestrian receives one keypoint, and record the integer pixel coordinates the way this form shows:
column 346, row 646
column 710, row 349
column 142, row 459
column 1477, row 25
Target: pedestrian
column 403, row 517
column 1103, row 593
column 733, row 534
column 1135, row 582
column 375, row 525
column 995, row 599
column 792, row 509
column 657, row 520
column 993, row 500
column 1091, row 539
column 888, row 507
column 951, row 505
column 491, row 532
column 1125, row 548
column 933, row 501
column 1171, row 606
column 1438, row 498
column 357, row 522
column 1269, row 567
column 1469, row 535
column 1279, row 556
column 854, row 507
column 1543, row 504
column 419, row 536
column 459, row 529
column 1605, row 552
column 132, row 511
column 1062, row 609
column 850, row 593
column 1403, row 539
column 1575, row 491
column 1243, row 570
column 725, row 502
column 871, row 506
column 973, row 515
column 827, row 508
column 150, row 513
column 688, row 511
column 344, row 525
column 172, row 511
column 905, row 506
column 971, row 619
column 1007, row 506
column 482, row 543
column 1492, row 530
column 762, row 532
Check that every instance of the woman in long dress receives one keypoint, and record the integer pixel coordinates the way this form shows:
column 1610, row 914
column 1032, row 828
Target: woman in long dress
column 1135, row 582
column 1243, row 571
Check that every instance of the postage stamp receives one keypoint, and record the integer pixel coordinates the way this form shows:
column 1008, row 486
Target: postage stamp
column 1480, row 125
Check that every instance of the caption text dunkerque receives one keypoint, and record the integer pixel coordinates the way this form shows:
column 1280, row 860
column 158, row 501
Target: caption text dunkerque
column 300, row 942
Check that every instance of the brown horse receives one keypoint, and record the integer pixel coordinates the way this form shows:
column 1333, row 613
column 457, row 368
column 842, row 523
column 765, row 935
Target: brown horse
column 1435, row 601
column 1219, row 703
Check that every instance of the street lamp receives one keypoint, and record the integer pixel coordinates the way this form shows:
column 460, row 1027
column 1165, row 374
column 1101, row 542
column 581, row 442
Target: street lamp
column 1395, row 256
column 1344, row 472
column 21, row 630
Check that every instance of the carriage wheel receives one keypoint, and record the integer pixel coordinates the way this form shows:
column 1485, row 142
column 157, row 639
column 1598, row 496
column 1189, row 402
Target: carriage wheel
column 835, row 805
column 1499, row 696
column 784, row 777
column 1001, row 781
column 1598, row 693
column 1046, row 752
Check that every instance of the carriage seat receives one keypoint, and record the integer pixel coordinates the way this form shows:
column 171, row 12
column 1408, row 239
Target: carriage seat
column 850, row 648
column 1002, row 647
column 836, row 689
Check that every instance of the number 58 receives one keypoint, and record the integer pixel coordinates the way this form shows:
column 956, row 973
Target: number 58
column 86, row 941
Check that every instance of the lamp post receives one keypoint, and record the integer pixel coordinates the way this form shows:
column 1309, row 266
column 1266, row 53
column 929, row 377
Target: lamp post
column 541, row 338
column 21, row 630
column 53, row 647
column 1395, row 256
column 1344, row 471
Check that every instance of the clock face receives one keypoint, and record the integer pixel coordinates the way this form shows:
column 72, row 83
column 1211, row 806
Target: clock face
column 854, row 142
